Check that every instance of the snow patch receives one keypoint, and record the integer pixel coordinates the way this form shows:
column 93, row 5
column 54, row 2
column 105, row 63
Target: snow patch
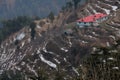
column 111, row 58
column 39, row 34
column 106, row 10
column 104, row 61
column 90, row 36
column 116, row 68
column 75, row 71
column 94, row 48
column 44, row 48
column 114, row 8
column 112, row 37
column 23, row 63
column 63, row 49
column 65, row 59
column 38, row 26
column 70, row 43
column 84, row 42
column 94, row 34
column 23, row 43
column 29, row 40
column 38, row 51
column 57, row 61
column 47, row 62
column 108, row 44
column 20, row 36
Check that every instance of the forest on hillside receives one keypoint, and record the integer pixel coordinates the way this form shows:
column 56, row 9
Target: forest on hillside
column 9, row 26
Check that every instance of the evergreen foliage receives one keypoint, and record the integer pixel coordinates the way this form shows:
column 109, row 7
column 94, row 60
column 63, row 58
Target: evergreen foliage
column 51, row 16
column 32, row 26
column 12, row 26
column 10, row 75
column 69, row 4
column 76, row 2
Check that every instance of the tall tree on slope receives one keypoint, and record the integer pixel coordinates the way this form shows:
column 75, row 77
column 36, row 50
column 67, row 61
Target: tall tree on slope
column 76, row 2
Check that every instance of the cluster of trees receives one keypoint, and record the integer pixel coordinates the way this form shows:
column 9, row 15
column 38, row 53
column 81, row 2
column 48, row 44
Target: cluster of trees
column 71, row 4
column 11, row 26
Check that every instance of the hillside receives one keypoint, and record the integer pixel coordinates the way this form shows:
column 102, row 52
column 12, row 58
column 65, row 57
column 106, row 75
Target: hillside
column 51, row 49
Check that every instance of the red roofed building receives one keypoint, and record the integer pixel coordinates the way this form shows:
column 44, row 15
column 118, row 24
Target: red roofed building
column 92, row 20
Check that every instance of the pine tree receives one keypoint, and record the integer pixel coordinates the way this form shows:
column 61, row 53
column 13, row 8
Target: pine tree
column 51, row 16
column 76, row 2
column 32, row 26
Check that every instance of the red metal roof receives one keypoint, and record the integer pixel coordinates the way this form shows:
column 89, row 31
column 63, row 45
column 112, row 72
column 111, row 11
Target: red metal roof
column 92, row 18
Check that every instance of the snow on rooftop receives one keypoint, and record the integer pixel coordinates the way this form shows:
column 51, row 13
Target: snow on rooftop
column 51, row 64
column 20, row 36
